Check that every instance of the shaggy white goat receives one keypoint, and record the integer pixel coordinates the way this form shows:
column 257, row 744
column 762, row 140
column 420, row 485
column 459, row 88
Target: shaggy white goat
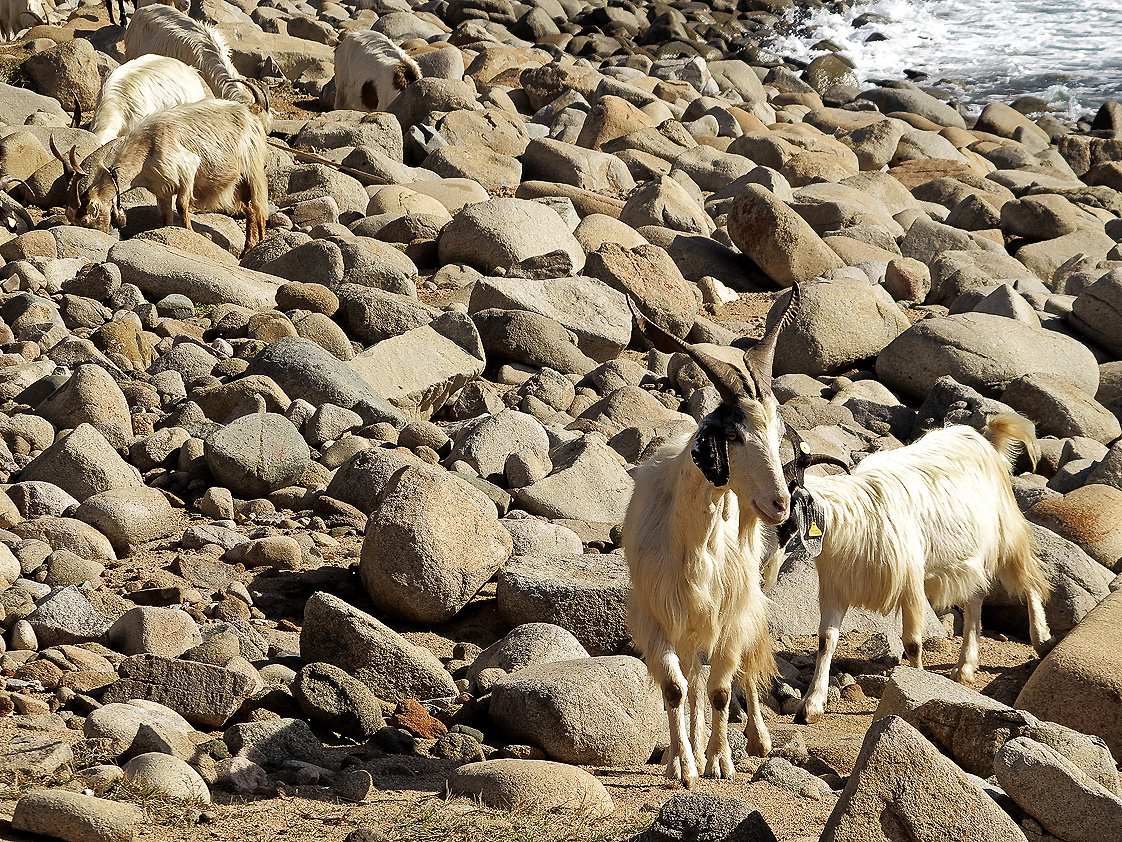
column 18, row 15
column 935, row 520
column 183, row 6
column 694, row 536
column 209, row 155
column 370, row 71
column 142, row 87
column 167, row 31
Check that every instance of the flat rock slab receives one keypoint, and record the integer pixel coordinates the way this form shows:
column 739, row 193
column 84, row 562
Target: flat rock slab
column 203, row 694
column 161, row 270
column 585, row 595
column 420, row 369
column 34, row 756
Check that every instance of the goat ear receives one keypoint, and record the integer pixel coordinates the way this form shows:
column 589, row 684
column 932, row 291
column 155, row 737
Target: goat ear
column 710, row 450
column 809, row 521
column 118, row 218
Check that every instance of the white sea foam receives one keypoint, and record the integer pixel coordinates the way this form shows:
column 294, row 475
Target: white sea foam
column 1068, row 52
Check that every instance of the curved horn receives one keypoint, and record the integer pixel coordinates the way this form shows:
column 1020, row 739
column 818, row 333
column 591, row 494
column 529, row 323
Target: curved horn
column 77, row 121
column 65, row 163
column 74, row 165
column 260, row 97
column 759, row 358
column 8, row 180
column 729, row 382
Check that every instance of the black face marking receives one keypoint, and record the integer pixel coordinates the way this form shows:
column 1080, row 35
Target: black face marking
column 673, row 695
column 809, row 522
column 710, row 446
column 720, row 700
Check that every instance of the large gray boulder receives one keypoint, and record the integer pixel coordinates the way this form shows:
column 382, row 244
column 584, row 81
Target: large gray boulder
column 502, row 232
column 1057, row 793
column 159, row 270
column 900, row 788
column 257, row 453
column 82, row 463
column 305, row 370
column 593, row 311
column 592, row 711
column 838, row 325
column 1097, row 311
column 983, row 351
column 432, row 542
column 588, row 482
column 394, row 669
column 72, row 816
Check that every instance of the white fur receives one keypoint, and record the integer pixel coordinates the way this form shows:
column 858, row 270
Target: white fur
column 694, row 554
column 140, row 88
column 168, row 32
column 935, row 520
column 18, row 15
column 369, row 57
column 207, row 155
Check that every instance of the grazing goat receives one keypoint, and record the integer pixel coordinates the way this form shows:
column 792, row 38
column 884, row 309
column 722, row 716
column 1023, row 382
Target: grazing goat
column 370, row 71
column 18, row 15
column 209, row 155
column 694, row 534
column 168, row 32
column 140, row 88
column 935, row 520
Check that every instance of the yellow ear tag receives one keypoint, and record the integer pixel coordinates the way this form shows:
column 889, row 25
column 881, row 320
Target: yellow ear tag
column 813, row 531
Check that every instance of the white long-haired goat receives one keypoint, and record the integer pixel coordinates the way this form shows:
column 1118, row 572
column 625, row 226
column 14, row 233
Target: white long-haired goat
column 166, row 31
column 142, row 87
column 207, row 155
column 935, row 520
column 694, row 535
column 370, row 71
column 18, row 15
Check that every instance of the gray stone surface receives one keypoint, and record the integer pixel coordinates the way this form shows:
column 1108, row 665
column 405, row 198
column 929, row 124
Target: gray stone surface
column 592, row 711
column 900, row 788
column 394, row 669
column 586, row 595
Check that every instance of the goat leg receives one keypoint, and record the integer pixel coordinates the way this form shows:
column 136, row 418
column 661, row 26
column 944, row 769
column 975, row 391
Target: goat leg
column 829, row 629
column 971, row 632
column 718, row 755
column 755, row 731
column 680, row 762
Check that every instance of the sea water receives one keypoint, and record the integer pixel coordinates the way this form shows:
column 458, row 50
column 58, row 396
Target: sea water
column 1066, row 52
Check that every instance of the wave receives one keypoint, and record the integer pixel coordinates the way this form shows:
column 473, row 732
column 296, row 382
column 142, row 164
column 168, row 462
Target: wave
column 1068, row 54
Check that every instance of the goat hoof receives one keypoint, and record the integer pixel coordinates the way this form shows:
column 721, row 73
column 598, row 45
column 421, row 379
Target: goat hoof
column 720, row 766
column 807, row 716
column 963, row 675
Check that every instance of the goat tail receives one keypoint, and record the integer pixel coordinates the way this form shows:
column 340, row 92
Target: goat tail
column 1009, row 432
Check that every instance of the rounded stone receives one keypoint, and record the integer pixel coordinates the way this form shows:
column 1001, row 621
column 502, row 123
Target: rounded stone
column 257, row 454
column 168, row 775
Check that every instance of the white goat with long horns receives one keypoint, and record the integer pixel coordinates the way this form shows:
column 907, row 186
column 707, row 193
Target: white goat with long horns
column 935, row 520
column 695, row 534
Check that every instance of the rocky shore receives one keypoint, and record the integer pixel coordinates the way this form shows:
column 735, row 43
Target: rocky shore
column 296, row 543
